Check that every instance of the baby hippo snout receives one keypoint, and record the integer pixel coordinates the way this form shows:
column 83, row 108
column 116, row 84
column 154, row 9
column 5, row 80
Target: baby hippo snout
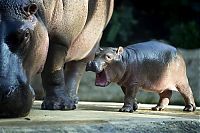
column 93, row 66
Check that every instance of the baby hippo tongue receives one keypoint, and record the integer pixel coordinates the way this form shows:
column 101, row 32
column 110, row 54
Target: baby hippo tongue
column 101, row 79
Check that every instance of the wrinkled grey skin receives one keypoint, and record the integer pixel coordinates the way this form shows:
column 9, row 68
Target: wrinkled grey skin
column 64, row 33
column 152, row 66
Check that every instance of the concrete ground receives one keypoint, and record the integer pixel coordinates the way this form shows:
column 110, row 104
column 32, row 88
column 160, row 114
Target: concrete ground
column 103, row 117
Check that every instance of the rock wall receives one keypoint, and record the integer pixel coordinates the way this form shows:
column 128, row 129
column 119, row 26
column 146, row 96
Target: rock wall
column 89, row 92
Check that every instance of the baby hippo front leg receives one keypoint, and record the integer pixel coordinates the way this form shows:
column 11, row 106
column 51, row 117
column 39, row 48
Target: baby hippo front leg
column 130, row 103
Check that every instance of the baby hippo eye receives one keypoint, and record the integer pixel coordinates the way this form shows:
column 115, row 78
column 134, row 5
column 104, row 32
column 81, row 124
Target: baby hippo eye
column 108, row 57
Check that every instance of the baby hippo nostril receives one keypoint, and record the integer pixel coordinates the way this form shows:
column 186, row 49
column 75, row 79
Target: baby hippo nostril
column 88, row 66
column 91, row 66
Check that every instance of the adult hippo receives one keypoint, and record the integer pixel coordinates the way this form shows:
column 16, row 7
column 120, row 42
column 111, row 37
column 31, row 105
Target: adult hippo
column 64, row 33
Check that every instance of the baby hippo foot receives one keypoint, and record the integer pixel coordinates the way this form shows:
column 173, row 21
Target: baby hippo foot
column 189, row 108
column 126, row 109
column 129, row 108
column 55, row 103
column 157, row 108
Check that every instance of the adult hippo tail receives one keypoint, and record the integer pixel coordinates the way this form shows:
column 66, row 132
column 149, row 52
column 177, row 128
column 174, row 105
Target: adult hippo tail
column 60, row 36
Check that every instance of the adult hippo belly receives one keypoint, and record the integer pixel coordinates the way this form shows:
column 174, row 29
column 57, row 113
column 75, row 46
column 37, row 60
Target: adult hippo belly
column 56, row 36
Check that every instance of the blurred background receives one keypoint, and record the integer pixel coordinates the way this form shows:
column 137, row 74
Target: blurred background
column 174, row 21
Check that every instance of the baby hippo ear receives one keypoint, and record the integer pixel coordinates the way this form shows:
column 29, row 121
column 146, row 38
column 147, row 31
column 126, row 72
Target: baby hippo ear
column 120, row 50
column 101, row 49
column 98, row 50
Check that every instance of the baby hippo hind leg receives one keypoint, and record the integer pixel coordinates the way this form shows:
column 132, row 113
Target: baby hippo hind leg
column 186, row 92
column 164, row 100
column 130, row 102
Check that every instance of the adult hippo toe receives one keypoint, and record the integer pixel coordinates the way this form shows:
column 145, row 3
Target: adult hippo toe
column 60, row 36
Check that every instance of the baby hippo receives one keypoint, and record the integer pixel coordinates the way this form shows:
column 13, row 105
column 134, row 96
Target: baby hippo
column 152, row 66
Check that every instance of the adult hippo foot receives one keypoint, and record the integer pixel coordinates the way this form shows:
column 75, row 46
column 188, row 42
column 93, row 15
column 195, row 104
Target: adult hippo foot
column 157, row 108
column 128, row 108
column 189, row 108
column 54, row 103
column 75, row 99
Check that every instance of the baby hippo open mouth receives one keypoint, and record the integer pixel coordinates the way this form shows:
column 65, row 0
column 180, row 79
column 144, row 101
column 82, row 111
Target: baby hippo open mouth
column 102, row 79
column 103, row 64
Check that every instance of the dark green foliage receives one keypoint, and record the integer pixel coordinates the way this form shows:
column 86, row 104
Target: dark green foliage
column 177, row 22
column 121, row 26
column 185, row 35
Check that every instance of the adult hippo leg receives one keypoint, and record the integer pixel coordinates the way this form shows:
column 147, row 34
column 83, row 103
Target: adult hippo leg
column 123, row 89
column 164, row 100
column 73, row 73
column 130, row 102
column 53, row 80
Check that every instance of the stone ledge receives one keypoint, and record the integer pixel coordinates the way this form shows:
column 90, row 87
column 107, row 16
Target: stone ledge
column 104, row 117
